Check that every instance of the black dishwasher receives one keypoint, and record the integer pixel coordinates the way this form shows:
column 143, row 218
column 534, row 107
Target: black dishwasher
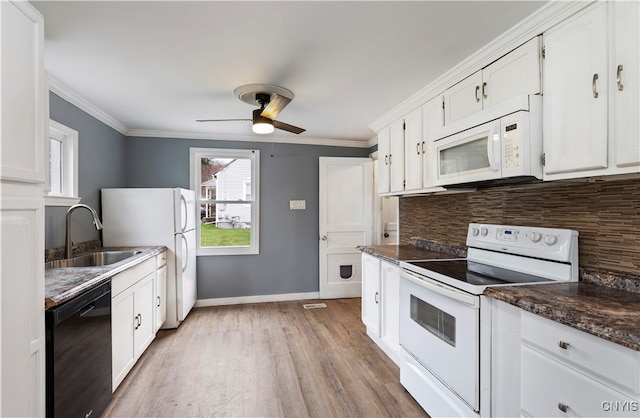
column 78, row 359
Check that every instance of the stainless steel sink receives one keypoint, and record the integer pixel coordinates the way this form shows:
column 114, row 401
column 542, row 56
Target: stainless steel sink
column 95, row 259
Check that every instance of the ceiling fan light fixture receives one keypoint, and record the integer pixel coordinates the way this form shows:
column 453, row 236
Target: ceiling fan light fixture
column 261, row 125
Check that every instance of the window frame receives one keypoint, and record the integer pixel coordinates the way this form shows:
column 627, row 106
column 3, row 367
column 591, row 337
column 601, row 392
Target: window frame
column 69, row 166
column 195, row 159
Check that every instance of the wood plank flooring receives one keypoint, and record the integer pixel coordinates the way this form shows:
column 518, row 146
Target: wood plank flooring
column 265, row 360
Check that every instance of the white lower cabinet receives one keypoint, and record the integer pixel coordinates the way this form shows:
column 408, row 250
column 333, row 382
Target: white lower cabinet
column 132, row 317
column 543, row 368
column 160, row 291
column 381, row 304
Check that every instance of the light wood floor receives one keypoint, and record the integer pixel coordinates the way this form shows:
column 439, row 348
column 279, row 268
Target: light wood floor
column 267, row 360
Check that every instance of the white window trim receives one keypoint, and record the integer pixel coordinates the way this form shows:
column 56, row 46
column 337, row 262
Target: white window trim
column 195, row 156
column 69, row 139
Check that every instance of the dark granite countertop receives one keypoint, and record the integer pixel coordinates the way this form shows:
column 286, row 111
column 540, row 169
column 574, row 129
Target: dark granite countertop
column 63, row 284
column 603, row 303
column 606, row 312
column 417, row 249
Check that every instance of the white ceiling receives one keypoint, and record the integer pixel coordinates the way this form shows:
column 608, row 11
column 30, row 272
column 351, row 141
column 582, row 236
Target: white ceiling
column 158, row 66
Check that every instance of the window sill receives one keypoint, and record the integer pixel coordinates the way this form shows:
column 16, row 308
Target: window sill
column 227, row 251
column 60, row 201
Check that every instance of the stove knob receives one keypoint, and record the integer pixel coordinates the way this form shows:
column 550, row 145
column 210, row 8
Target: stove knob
column 484, row 231
column 550, row 240
column 536, row 236
column 475, row 232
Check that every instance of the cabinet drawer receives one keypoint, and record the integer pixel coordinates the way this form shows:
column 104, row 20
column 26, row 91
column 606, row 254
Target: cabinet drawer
column 550, row 389
column 612, row 362
column 129, row 277
column 161, row 259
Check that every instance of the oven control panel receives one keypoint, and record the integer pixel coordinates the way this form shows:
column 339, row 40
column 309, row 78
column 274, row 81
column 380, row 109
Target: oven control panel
column 548, row 243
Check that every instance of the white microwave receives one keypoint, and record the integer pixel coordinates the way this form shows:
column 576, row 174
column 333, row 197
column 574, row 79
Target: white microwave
column 505, row 149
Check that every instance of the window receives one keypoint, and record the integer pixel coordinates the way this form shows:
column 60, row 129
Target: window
column 226, row 182
column 63, row 166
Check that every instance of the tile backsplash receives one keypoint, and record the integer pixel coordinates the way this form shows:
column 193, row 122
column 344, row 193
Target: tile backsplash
column 605, row 213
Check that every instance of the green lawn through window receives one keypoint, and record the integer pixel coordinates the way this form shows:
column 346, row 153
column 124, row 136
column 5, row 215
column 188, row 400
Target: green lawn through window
column 212, row 236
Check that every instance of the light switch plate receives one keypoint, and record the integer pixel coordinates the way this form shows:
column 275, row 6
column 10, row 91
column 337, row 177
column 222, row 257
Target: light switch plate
column 297, row 204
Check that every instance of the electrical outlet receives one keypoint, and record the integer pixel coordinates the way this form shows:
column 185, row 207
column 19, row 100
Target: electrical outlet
column 297, row 204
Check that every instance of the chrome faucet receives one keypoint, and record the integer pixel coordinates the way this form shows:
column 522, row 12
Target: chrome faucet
column 68, row 244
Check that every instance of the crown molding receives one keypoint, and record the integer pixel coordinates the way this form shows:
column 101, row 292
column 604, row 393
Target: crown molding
column 66, row 93
column 57, row 87
column 535, row 24
column 147, row 133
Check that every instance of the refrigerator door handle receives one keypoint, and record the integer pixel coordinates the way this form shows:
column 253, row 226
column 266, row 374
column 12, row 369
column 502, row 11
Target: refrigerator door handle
column 185, row 213
column 185, row 257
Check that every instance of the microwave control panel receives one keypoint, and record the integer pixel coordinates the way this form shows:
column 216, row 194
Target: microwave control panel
column 511, row 146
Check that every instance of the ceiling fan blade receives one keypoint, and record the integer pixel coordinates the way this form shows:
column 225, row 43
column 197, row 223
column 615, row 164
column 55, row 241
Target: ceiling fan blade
column 221, row 120
column 287, row 127
column 275, row 106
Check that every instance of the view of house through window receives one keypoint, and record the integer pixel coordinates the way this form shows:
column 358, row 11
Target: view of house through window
column 227, row 200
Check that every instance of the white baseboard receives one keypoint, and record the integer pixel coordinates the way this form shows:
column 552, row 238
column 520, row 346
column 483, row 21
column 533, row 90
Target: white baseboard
column 200, row 303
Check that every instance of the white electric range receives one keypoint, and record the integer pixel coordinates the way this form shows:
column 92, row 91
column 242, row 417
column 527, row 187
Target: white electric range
column 442, row 328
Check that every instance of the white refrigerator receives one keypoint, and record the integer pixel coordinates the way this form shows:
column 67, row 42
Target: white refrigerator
column 133, row 217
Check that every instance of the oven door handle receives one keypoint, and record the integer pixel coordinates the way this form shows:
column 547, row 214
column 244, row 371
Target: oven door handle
column 448, row 291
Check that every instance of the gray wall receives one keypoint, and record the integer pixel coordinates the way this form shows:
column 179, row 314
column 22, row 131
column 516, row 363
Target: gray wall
column 101, row 163
column 288, row 259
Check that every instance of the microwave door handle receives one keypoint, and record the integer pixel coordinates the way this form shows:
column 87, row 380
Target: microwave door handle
column 493, row 147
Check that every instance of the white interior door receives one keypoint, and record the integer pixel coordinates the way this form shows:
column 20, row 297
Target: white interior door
column 346, row 221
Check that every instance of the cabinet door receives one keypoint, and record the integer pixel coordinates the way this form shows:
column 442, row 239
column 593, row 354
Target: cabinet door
column 144, row 311
column 413, row 150
column 160, row 300
column 432, row 122
column 24, row 94
column 516, row 73
column 575, row 94
column 384, row 182
column 390, row 289
column 396, row 156
column 122, row 331
column 371, row 293
column 625, row 81
column 463, row 99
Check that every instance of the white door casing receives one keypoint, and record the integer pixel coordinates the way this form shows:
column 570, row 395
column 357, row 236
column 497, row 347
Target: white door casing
column 345, row 222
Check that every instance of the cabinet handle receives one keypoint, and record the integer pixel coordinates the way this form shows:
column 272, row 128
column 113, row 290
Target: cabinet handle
column 564, row 408
column 484, row 90
column 140, row 323
column 376, row 298
column 423, row 147
column 418, row 148
column 158, row 305
column 386, row 160
column 594, row 87
column 563, row 344
column 477, row 91
column 137, row 321
column 389, row 159
column 619, row 78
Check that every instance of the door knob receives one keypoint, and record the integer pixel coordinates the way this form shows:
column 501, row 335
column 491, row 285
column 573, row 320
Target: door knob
column 386, row 235
column 324, row 237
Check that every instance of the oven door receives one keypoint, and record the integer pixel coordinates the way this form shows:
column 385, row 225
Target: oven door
column 469, row 156
column 440, row 328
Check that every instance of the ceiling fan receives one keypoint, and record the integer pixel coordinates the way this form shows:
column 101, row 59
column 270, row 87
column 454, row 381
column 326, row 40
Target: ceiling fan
column 271, row 99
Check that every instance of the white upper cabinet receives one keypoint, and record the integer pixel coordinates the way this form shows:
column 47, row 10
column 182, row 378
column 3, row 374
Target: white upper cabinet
column 575, row 94
column 432, row 121
column 413, row 149
column 591, row 100
column 384, row 149
column 391, row 158
column 23, row 94
column 514, row 74
column 625, row 84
